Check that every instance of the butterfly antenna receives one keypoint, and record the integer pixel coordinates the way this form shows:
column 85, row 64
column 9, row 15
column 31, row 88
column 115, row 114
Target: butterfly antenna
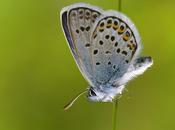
column 66, row 107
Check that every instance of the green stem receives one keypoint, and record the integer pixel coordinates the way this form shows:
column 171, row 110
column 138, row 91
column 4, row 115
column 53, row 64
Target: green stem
column 119, row 5
column 115, row 114
column 116, row 101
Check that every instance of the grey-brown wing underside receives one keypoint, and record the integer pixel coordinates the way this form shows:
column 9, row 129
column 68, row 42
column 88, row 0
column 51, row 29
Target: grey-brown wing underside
column 115, row 43
column 77, row 22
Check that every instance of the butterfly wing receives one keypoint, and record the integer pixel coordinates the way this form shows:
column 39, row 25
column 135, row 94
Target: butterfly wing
column 138, row 67
column 115, row 43
column 77, row 21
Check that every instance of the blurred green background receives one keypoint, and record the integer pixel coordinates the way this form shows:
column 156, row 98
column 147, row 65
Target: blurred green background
column 38, row 75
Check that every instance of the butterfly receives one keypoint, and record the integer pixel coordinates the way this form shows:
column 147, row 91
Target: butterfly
column 106, row 47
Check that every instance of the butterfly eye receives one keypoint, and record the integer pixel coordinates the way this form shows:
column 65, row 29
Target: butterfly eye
column 92, row 93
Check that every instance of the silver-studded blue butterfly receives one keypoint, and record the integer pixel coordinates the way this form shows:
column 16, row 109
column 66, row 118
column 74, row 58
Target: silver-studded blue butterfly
column 105, row 46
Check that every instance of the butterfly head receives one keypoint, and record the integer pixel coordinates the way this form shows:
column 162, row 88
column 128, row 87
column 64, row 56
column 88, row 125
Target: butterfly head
column 94, row 94
column 104, row 94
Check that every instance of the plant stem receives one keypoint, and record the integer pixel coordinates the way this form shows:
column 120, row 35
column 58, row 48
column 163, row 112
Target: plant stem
column 116, row 101
column 115, row 114
column 119, row 5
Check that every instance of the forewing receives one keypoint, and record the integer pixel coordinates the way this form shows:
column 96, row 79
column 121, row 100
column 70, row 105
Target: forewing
column 77, row 21
column 115, row 43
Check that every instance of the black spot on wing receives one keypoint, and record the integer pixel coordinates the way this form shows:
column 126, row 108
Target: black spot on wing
column 116, row 44
column 95, row 52
column 77, row 31
column 87, row 28
column 98, row 63
column 118, row 50
column 87, row 45
column 101, row 42
column 101, row 30
column 95, row 36
column 109, row 21
column 102, row 24
column 112, row 38
column 107, row 36
column 82, row 28
column 108, row 52
column 87, row 13
column 114, row 66
column 109, row 63
column 124, row 52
